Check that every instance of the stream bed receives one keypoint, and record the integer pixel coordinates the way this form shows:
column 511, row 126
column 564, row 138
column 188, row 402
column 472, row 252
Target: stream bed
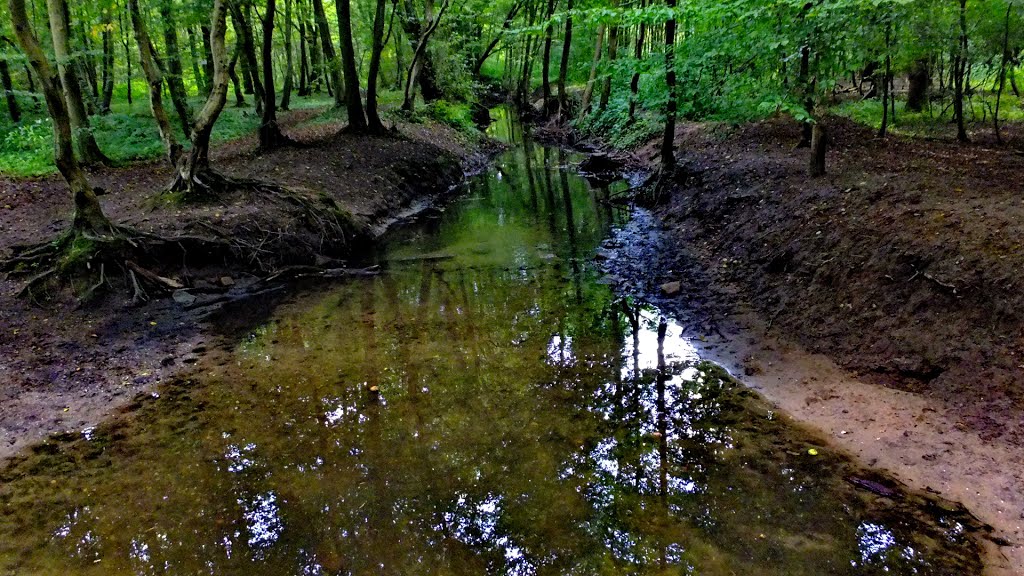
column 486, row 405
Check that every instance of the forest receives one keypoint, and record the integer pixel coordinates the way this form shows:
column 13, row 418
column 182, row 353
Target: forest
column 547, row 286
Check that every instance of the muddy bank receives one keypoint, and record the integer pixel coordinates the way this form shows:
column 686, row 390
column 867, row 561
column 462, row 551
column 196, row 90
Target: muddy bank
column 65, row 367
column 878, row 303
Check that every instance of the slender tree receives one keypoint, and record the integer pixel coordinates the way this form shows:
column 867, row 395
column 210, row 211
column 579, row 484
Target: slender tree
column 107, row 94
column 13, row 110
column 668, row 156
column 270, row 132
column 175, row 75
column 154, row 79
column 289, row 67
column 88, row 217
column 373, row 122
column 960, row 75
column 88, row 150
column 327, row 45
column 353, row 99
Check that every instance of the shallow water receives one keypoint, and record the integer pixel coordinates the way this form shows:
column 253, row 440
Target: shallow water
column 486, row 405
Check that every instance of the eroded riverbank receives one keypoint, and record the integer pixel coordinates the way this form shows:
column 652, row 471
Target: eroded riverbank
column 486, row 404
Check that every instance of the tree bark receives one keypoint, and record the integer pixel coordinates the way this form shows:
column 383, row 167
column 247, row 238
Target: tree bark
column 960, row 74
column 193, row 52
column 634, row 82
column 373, row 121
column 74, row 106
column 270, row 132
column 546, row 63
column 420, row 58
column 613, row 48
column 668, row 155
column 289, row 66
column 108, row 62
column 1002, row 73
column 174, row 77
column 154, row 79
column 193, row 174
column 918, row 80
column 588, row 92
column 207, row 57
column 88, row 216
column 13, row 110
column 885, row 82
column 332, row 63
column 235, row 82
column 819, row 144
column 563, row 67
column 353, row 99
column 303, row 62
column 126, row 43
column 243, row 29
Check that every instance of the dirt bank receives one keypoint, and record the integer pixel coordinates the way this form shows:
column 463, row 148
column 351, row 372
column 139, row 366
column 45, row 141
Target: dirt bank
column 880, row 304
column 64, row 367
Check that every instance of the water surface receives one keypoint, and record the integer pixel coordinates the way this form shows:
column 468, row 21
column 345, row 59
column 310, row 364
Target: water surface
column 486, row 405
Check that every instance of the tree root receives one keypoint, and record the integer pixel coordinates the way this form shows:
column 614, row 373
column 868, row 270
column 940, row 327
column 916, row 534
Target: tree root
column 90, row 255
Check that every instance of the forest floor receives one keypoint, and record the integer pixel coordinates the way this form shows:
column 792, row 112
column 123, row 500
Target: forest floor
column 65, row 367
column 881, row 304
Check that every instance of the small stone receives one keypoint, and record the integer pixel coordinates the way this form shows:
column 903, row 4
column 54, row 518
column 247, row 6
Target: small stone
column 183, row 297
column 671, row 288
column 227, row 281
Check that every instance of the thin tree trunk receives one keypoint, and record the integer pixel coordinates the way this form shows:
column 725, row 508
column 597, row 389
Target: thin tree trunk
column 235, row 82
column 172, row 65
column 193, row 52
column 918, row 80
column 546, row 64
column 563, row 97
column 88, row 216
column 373, row 122
column 270, row 132
column 668, row 156
column 108, row 62
column 88, row 150
column 13, row 110
column 194, row 174
column 207, row 57
column 613, row 49
column 634, row 82
column 419, row 58
column 86, row 61
column 154, row 78
column 126, row 42
column 819, row 145
column 960, row 76
column 588, row 91
column 353, row 99
column 885, row 81
column 303, row 62
column 1002, row 73
column 244, row 30
column 289, row 67
column 327, row 45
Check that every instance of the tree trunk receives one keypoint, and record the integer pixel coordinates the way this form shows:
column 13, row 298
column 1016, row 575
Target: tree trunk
column 86, row 61
column 13, row 110
column 353, row 99
column 668, row 141
column 373, row 122
column 303, row 61
column 563, row 67
column 420, row 58
column 588, row 92
column 819, row 144
column 330, row 56
column 207, row 57
column 270, row 132
column 154, row 78
column 127, row 44
column 1002, row 73
column 546, row 63
column 289, row 66
column 108, row 63
column 193, row 52
column 235, row 82
column 175, row 79
column 634, row 82
column 960, row 76
column 885, row 82
column 88, row 216
column 88, row 150
column 613, row 48
column 918, row 80
column 193, row 174
column 243, row 29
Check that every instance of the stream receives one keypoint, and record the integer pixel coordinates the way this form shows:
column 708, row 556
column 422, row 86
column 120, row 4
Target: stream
column 486, row 405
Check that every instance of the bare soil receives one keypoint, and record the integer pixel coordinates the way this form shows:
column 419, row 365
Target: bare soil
column 881, row 303
column 64, row 366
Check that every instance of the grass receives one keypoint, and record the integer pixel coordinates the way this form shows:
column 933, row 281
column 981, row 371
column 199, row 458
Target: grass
column 127, row 134
column 935, row 119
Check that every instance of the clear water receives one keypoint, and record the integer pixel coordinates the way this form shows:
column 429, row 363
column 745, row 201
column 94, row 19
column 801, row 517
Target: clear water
column 484, row 406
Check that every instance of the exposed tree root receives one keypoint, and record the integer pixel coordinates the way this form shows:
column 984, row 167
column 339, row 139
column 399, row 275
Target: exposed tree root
column 88, row 255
